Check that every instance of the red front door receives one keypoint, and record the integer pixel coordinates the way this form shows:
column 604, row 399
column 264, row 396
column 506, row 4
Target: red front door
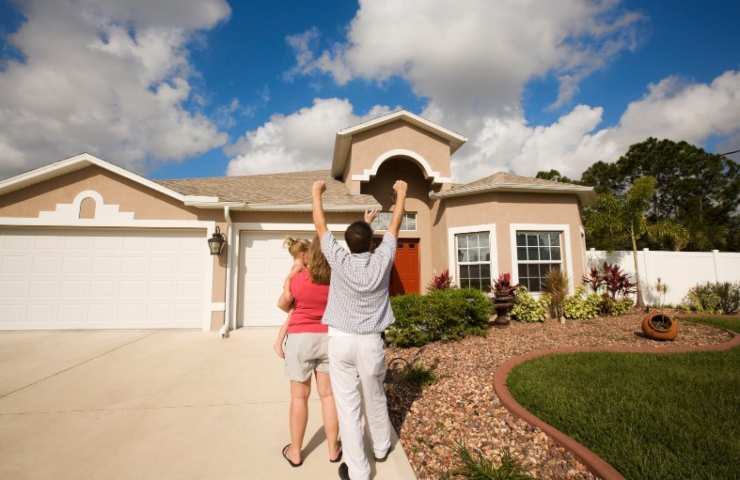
column 405, row 275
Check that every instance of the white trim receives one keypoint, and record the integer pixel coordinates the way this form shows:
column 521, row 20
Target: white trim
column 303, row 207
column 452, row 253
column 218, row 306
column 413, row 118
column 286, row 227
column 401, row 152
column 69, row 212
column 549, row 227
column 103, row 223
column 81, row 161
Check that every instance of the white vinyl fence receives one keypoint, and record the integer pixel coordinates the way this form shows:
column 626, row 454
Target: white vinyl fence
column 679, row 270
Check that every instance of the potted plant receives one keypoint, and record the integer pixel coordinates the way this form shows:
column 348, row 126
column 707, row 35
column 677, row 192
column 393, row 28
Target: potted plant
column 657, row 324
column 503, row 299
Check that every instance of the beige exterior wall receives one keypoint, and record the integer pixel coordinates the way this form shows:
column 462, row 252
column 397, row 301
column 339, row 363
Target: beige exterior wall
column 505, row 209
column 369, row 145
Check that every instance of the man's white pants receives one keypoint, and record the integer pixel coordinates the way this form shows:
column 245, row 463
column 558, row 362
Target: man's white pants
column 357, row 370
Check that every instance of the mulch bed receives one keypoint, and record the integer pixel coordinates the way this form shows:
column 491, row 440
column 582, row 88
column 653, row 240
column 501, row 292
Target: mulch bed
column 461, row 407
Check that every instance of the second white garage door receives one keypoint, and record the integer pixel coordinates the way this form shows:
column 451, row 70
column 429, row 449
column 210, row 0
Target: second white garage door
column 263, row 267
column 83, row 278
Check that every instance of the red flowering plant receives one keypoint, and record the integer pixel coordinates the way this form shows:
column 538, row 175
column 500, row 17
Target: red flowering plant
column 441, row 281
column 502, row 286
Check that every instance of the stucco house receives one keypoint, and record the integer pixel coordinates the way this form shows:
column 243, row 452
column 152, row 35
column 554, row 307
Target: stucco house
column 87, row 244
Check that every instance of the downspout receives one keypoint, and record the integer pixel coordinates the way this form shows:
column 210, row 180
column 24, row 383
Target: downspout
column 227, row 304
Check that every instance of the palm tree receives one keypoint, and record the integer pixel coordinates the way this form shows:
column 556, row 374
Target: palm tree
column 619, row 220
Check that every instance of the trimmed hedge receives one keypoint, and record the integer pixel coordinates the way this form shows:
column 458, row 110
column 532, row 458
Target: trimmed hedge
column 447, row 314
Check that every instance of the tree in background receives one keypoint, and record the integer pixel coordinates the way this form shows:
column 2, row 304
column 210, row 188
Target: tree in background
column 695, row 202
column 616, row 219
column 693, row 188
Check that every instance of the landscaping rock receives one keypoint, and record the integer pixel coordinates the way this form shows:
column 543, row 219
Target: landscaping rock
column 461, row 407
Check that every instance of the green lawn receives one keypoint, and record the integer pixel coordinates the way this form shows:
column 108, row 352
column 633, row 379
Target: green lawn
column 728, row 323
column 650, row 416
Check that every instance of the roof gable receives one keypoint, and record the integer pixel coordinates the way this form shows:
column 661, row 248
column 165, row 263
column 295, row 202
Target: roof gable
column 85, row 160
column 343, row 140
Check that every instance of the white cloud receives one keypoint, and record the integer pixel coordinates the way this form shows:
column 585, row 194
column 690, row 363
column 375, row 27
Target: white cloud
column 472, row 59
column 671, row 109
column 303, row 140
column 106, row 77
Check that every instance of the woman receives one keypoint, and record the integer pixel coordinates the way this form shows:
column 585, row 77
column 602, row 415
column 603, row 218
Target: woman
column 306, row 352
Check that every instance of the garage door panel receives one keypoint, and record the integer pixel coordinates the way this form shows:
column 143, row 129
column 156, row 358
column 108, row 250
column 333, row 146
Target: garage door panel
column 86, row 278
column 264, row 264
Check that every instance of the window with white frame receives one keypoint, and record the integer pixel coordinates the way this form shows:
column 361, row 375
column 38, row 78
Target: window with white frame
column 536, row 254
column 473, row 253
column 383, row 220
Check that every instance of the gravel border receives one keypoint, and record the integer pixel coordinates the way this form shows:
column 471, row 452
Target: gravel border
column 463, row 408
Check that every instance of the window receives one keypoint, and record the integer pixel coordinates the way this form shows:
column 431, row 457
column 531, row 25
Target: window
column 474, row 260
column 537, row 253
column 383, row 220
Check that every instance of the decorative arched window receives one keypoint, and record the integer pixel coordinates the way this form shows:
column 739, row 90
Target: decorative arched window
column 87, row 207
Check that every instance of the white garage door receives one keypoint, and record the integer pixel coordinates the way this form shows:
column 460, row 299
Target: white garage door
column 82, row 278
column 264, row 265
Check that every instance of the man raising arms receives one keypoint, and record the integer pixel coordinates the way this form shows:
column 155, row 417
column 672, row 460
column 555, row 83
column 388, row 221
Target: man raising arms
column 358, row 311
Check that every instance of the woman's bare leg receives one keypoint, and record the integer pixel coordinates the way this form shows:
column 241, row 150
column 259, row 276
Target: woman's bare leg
column 299, row 393
column 328, row 412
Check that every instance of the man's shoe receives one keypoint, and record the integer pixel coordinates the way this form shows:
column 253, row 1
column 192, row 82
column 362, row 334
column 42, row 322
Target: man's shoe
column 344, row 471
column 384, row 457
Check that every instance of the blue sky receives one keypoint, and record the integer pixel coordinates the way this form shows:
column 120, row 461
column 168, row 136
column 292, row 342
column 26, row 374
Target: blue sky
column 232, row 69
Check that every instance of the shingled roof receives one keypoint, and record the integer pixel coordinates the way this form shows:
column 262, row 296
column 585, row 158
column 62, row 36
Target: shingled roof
column 274, row 190
column 503, row 181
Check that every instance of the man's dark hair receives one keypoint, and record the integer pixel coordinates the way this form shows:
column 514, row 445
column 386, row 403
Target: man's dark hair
column 359, row 236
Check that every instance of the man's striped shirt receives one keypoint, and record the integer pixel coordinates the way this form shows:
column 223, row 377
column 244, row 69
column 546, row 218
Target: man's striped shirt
column 358, row 291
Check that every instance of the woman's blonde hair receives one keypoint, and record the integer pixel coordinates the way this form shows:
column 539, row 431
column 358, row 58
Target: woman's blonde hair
column 318, row 267
column 296, row 245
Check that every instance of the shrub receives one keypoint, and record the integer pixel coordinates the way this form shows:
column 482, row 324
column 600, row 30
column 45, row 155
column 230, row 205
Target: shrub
column 556, row 286
column 613, row 278
column 446, row 314
column 527, row 308
column 477, row 467
column 713, row 297
column 580, row 306
column 610, row 306
column 441, row 281
column 417, row 375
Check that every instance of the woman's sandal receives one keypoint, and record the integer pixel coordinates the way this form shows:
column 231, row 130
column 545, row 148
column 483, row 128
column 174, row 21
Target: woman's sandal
column 338, row 458
column 285, row 456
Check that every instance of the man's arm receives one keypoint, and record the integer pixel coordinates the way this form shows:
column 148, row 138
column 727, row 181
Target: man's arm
column 399, row 208
column 319, row 219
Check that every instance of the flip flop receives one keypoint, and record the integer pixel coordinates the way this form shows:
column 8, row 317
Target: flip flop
column 285, row 456
column 338, row 458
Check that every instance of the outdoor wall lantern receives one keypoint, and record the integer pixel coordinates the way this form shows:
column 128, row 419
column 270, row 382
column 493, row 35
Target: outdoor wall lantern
column 216, row 242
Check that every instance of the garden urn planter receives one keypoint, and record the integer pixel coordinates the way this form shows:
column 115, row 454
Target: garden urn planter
column 659, row 326
column 502, row 303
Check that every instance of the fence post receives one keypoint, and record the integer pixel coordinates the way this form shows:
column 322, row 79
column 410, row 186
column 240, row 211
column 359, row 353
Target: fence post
column 715, row 260
column 645, row 275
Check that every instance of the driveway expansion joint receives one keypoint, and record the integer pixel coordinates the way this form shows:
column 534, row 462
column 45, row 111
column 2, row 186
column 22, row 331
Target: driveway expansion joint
column 597, row 465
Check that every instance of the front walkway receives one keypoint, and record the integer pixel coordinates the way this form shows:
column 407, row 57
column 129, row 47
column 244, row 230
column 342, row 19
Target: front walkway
column 152, row 405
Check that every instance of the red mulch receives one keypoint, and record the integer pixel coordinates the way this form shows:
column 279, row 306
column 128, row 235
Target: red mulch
column 461, row 405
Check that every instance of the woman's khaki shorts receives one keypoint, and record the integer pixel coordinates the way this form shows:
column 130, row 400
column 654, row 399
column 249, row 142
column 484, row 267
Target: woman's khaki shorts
column 304, row 353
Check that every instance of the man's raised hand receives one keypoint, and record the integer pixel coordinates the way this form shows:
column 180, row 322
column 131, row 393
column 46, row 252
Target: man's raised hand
column 319, row 187
column 370, row 215
column 400, row 187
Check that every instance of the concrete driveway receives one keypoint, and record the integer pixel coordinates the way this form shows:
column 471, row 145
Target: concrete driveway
column 153, row 405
